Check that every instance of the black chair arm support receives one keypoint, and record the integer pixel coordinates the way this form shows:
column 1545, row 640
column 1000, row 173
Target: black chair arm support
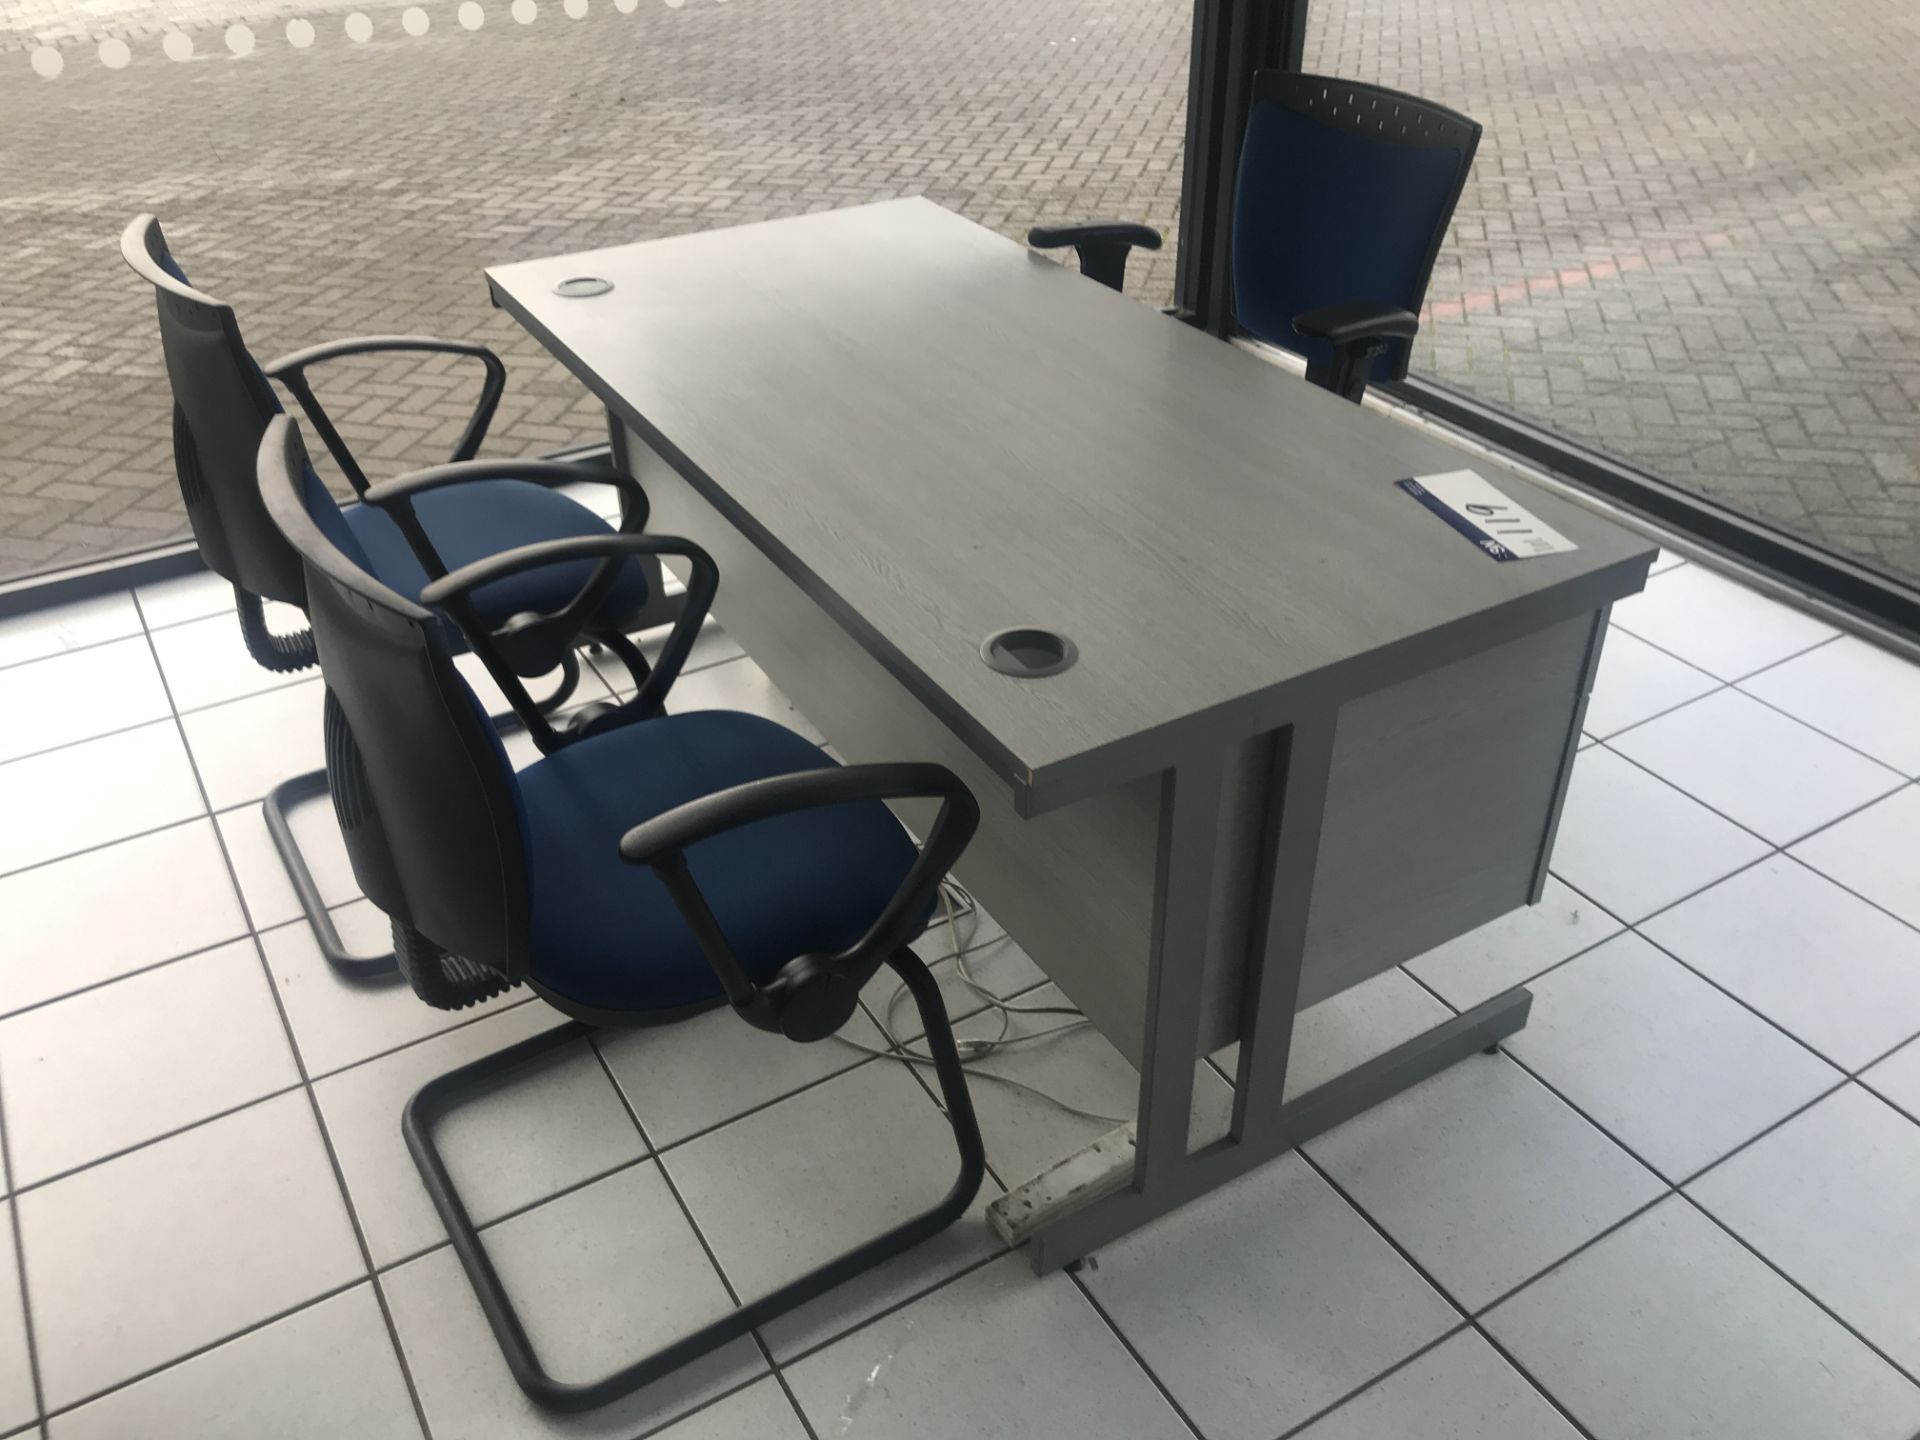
column 1101, row 244
column 450, row 592
column 291, row 371
column 1358, row 331
column 663, row 841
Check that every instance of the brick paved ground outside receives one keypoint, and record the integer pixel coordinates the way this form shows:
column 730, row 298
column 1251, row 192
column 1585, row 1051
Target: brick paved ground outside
column 1690, row 236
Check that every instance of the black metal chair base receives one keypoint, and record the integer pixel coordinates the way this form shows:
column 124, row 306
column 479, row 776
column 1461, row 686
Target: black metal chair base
column 441, row 1095
column 281, row 799
column 311, row 786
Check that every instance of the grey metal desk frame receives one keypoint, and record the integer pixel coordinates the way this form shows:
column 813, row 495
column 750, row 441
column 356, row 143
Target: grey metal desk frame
column 692, row 351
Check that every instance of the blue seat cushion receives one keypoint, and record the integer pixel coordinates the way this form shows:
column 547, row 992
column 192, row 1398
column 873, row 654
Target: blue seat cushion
column 606, row 934
column 470, row 522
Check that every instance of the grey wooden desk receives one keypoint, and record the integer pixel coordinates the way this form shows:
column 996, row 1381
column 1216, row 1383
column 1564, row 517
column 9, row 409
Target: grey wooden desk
column 1311, row 731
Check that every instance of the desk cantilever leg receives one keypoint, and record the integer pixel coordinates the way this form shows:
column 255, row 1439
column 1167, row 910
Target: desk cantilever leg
column 1142, row 1170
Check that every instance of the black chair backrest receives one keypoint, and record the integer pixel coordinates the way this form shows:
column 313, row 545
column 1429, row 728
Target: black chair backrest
column 222, row 404
column 1344, row 194
column 446, row 854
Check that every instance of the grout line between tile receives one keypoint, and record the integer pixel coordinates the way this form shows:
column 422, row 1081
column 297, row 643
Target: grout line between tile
column 172, row 824
column 331, row 1293
column 146, row 969
column 151, row 1140
column 1815, row 1300
column 1078, row 1281
column 300, row 1064
column 1470, row 1317
column 18, row 1240
column 68, row 650
column 77, row 741
column 1394, row 1369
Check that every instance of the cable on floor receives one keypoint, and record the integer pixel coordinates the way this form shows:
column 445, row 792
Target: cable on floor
column 956, row 904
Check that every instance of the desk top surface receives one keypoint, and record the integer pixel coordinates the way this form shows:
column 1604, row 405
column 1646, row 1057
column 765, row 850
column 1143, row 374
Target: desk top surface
column 939, row 435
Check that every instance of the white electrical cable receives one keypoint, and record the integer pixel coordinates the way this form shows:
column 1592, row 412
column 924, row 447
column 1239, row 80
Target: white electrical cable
column 978, row 1048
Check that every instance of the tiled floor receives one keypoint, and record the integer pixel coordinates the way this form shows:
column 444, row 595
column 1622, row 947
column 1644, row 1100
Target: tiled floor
column 1681, row 1202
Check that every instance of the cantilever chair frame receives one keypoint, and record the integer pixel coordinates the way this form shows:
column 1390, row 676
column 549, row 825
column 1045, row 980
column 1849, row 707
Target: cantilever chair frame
column 808, row 999
column 1361, row 329
column 143, row 247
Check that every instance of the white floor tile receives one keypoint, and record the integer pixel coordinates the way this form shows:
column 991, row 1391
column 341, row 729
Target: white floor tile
column 540, row 1132
column 739, row 685
column 125, row 1062
column 1855, row 692
column 263, row 878
column 16, row 1375
column 1897, row 1078
column 910, row 1176
column 1829, row 1197
column 324, row 1373
column 1513, row 949
column 1872, row 853
column 232, row 1222
column 1666, row 560
column 88, row 794
column 339, row 1021
column 1665, row 1063
column 1459, row 1390
column 759, row 1412
column 60, row 628
column 682, row 1079
column 76, row 697
column 1484, row 1176
column 1813, row 958
column 1669, row 1327
column 1262, row 1303
column 996, row 1353
column 1636, row 682
column 601, row 1277
column 1759, row 768
column 1089, row 1088
column 1716, row 624
column 110, row 911
column 206, row 661
column 743, row 1183
column 1635, row 844
column 246, row 747
column 186, row 597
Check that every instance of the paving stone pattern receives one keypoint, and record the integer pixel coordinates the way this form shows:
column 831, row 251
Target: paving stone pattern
column 1690, row 235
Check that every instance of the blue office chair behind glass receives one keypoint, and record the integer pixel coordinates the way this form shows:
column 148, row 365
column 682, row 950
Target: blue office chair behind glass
column 1343, row 196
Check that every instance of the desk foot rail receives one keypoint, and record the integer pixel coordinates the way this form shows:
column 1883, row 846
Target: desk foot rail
column 1090, row 1199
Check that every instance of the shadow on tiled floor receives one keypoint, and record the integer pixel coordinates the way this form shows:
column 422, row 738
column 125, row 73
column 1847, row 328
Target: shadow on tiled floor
column 1679, row 1203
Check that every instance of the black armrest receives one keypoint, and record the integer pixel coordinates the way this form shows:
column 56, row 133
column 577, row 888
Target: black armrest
column 397, row 496
column 450, row 592
column 1101, row 244
column 813, row 995
column 1357, row 320
column 291, row 371
column 1358, row 331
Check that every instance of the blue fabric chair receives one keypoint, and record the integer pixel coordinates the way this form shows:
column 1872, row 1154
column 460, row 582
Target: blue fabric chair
column 646, row 868
column 527, row 625
column 223, row 400
column 1343, row 197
